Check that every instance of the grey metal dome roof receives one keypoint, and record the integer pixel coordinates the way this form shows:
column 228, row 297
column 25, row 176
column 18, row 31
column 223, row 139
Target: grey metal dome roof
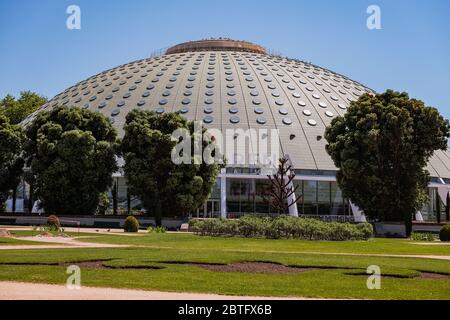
column 228, row 87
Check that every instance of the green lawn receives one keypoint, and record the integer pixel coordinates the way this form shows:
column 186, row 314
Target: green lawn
column 191, row 242
column 332, row 276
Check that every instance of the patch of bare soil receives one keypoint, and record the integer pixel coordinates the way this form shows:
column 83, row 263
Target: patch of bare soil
column 429, row 275
column 44, row 235
column 5, row 233
column 364, row 274
column 423, row 275
column 95, row 264
column 254, row 267
column 99, row 264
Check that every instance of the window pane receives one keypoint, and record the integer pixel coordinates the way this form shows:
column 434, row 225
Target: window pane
column 310, row 198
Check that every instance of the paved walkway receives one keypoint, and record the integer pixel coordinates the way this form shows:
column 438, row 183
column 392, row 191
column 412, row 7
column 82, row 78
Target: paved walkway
column 98, row 231
column 58, row 243
column 28, row 291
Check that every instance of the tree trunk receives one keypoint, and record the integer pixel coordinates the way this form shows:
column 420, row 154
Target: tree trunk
column 30, row 200
column 438, row 209
column 447, row 208
column 128, row 202
column 14, row 199
column 114, row 196
column 408, row 225
column 158, row 214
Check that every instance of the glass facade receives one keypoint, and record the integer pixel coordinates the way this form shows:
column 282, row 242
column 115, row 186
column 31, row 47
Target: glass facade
column 315, row 197
column 432, row 209
column 247, row 196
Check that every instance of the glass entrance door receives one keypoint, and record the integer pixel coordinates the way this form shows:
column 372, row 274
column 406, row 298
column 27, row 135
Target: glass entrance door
column 212, row 209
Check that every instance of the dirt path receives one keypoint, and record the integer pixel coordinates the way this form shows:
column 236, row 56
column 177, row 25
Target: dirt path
column 93, row 231
column 58, row 243
column 29, row 291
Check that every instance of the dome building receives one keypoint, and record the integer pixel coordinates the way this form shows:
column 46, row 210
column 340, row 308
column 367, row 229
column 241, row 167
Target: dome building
column 230, row 84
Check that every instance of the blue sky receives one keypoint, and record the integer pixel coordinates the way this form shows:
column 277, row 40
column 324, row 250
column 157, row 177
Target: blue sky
column 411, row 53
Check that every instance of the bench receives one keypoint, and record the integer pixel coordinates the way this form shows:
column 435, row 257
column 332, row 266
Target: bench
column 7, row 221
column 107, row 224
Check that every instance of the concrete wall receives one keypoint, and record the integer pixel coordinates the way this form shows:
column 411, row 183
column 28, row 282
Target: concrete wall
column 87, row 221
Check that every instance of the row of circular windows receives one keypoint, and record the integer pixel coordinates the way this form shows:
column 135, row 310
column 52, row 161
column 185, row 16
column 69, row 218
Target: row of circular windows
column 310, row 76
column 210, row 109
column 208, row 93
column 210, row 85
column 210, row 119
column 187, row 101
column 209, row 102
column 201, row 56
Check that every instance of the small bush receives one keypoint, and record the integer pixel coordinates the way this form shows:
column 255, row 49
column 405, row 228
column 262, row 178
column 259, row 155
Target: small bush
column 444, row 235
column 131, row 224
column 283, row 227
column 422, row 236
column 53, row 222
column 103, row 204
column 156, row 230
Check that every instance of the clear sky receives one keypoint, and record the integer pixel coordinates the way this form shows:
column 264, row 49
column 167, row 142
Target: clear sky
column 410, row 53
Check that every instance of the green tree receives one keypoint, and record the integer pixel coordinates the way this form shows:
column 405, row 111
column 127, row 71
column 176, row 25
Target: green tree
column 71, row 154
column 381, row 147
column 150, row 172
column 17, row 110
column 11, row 162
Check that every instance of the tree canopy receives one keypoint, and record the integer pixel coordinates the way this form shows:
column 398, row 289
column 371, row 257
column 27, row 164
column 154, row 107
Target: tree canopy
column 150, row 172
column 382, row 146
column 71, row 154
column 17, row 110
column 11, row 162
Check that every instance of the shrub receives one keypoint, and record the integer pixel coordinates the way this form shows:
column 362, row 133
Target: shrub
column 131, row 224
column 283, row 227
column 444, row 235
column 156, row 230
column 422, row 236
column 251, row 227
column 279, row 228
column 53, row 222
column 365, row 230
column 103, row 204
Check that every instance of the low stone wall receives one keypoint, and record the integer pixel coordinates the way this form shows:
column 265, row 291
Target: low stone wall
column 397, row 229
column 111, row 222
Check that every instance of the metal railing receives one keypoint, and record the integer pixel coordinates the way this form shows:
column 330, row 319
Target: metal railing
column 325, row 218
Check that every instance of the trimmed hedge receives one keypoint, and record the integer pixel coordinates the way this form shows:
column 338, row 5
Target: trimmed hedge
column 444, row 235
column 415, row 236
column 283, row 227
column 131, row 224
